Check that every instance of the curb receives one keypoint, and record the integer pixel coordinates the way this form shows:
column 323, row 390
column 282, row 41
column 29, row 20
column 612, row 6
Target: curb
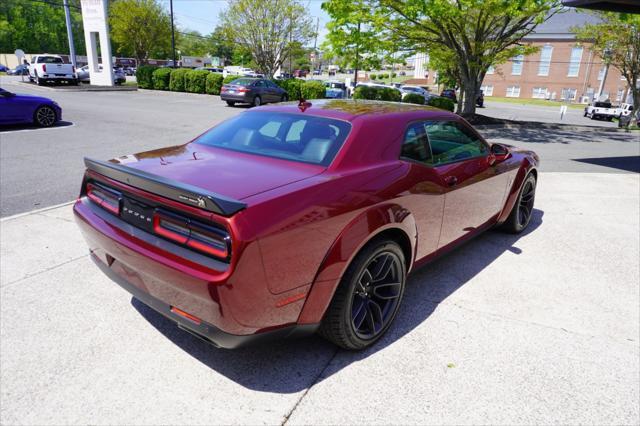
column 44, row 209
column 80, row 88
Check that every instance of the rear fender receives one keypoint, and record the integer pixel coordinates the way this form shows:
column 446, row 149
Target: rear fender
column 364, row 228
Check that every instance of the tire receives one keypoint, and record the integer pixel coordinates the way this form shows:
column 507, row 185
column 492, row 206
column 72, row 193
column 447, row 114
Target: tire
column 257, row 101
column 373, row 305
column 38, row 81
column 45, row 116
column 231, row 103
column 284, row 98
column 585, row 114
column 522, row 211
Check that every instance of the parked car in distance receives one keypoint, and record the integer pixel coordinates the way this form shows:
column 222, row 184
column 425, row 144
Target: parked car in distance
column 335, row 89
column 21, row 69
column 480, row 99
column 417, row 90
column 624, row 110
column 317, row 72
column 131, row 71
column 300, row 73
column 299, row 218
column 119, row 75
column 211, row 69
column 253, row 91
column 449, row 93
column 28, row 109
column 51, row 68
column 600, row 110
column 4, row 68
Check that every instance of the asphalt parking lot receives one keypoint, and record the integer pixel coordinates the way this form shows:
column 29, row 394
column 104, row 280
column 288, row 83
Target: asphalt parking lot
column 538, row 328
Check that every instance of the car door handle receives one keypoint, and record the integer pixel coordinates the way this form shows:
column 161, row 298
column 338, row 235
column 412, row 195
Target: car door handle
column 451, row 180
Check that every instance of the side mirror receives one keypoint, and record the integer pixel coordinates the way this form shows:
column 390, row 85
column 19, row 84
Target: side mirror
column 499, row 152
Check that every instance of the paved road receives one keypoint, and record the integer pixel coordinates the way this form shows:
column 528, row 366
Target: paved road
column 43, row 167
column 537, row 329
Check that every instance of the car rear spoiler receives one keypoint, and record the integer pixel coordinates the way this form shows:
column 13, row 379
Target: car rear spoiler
column 181, row 192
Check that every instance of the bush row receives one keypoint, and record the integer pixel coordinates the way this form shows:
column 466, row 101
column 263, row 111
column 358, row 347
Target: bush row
column 377, row 93
column 442, row 103
column 383, row 76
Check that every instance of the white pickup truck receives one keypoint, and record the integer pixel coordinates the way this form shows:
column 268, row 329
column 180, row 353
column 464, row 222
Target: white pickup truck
column 45, row 68
column 600, row 110
column 624, row 110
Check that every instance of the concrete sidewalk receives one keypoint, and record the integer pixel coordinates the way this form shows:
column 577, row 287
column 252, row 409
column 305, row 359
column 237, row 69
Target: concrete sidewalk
column 541, row 328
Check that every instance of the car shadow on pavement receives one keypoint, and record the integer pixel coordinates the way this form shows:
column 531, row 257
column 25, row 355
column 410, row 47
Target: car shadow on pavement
column 628, row 164
column 289, row 366
column 561, row 136
column 32, row 127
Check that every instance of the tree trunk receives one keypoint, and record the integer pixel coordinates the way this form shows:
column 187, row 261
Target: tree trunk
column 635, row 115
column 471, row 88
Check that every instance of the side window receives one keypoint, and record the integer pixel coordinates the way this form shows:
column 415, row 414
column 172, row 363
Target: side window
column 270, row 129
column 259, row 83
column 271, row 84
column 415, row 145
column 295, row 131
column 451, row 141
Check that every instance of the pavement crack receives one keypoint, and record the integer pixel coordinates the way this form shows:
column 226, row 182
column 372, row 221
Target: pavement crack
column 43, row 271
column 315, row 380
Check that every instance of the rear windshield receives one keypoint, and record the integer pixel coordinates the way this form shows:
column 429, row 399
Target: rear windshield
column 603, row 105
column 49, row 60
column 296, row 137
column 243, row 82
column 411, row 89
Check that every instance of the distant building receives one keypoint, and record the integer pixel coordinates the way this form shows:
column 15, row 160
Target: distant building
column 562, row 69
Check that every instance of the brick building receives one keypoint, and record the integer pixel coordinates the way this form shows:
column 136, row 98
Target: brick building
column 562, row 69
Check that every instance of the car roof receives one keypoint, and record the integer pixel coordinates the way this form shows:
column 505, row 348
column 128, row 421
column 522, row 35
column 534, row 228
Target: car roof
column 353, row 109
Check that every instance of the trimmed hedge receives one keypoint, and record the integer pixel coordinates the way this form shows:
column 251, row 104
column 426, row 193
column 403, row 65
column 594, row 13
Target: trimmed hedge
column 228, row 79
column 177, row 80
column 214, row 83
column 413, row 98
column 372, row 76
column 144, row 76
column 293, row 86
column 377, row 93
column 161, row 78
column 442, row 103
column 195, row 81
column 313, row 90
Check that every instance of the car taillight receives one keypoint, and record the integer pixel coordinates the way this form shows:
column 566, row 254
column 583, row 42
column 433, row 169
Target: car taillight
column 73, row 69
column 193, row 234
column 44, row 67
column 243, row 90
column 223, row 89
column 105, row 198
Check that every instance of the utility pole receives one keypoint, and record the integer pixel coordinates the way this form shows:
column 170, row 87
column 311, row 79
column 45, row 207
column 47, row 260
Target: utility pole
column 173, row 36
column 355, row 73
column 67, row 17
column 290, row 41
column 315, row 43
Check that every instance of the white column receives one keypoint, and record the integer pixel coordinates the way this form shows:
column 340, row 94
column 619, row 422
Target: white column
column 96, row 28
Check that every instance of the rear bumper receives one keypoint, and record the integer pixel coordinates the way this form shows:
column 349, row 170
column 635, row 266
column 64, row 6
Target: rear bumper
column 203, row 330
column 236, row 97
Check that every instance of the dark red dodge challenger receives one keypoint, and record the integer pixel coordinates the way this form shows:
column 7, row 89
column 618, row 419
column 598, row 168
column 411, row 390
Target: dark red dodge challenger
column 296, row 218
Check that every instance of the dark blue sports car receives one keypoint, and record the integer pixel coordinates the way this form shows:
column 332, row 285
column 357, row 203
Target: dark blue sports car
column 28, row 109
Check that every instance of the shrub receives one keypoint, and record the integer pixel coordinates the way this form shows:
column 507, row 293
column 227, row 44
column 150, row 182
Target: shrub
column 394, row 75
column 228, row 79
column 377, row 93
column 313, row 90
column 293, row 86
column 442, row 103
column 161, row 78
column 214, row 83
column 372, row 76
column 383, row 76
column 177, row 79
column 144, row 76
column 413, row 98
column 195, row 81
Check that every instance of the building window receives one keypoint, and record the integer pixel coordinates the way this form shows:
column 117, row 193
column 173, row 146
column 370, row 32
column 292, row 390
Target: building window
column 619, row 95
column 539, row 92
column 574, row 62
column 545, row 60
column 516, row 65
column 491, row 69
column 568, row 94
column 487, row 90
column 513, row 92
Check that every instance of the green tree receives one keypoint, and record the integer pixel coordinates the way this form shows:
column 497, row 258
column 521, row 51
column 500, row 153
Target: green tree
column 192, row 43
column 222, row 46
column 267, row 29
column 470, row 35
column 354, row 39
column 37, row 27
column 140, row 28
column 616, row 39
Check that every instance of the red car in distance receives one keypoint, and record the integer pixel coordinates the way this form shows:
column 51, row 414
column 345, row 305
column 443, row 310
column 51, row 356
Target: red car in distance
column 296, row 218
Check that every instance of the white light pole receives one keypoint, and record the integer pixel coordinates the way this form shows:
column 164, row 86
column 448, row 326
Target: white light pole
column 67, row 17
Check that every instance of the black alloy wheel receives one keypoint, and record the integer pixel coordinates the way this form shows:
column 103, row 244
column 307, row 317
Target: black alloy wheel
column 45, row 116
column 368, row 296
column 522, row 210
column 257, row 101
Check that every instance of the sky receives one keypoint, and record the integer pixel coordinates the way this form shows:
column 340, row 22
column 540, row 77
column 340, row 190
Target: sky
column 202, row 15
